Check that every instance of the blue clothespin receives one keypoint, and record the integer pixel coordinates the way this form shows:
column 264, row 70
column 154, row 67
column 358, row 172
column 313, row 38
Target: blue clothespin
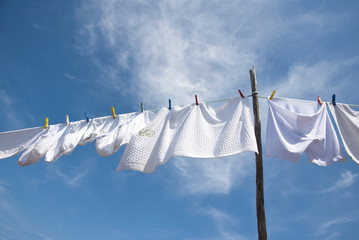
column 333, row 99
column 87, row 116
column 142, row 108
column 169, row 104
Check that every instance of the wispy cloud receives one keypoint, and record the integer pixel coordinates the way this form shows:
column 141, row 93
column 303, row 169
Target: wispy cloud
column 72, row 177
column 321, row 77
column 327, row 227
column 16, row 224
column 211, row 176
column 176, row 49
column 346, row 179
column 8, row 111
column 223, row 221
column 69, row 76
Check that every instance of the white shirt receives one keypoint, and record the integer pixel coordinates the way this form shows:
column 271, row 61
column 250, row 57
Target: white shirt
column 297, row 126
column 347, row 121
column 14, row 142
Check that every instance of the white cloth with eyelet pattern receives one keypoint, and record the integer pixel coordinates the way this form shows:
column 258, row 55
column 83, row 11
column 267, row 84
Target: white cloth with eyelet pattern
column 198, row 131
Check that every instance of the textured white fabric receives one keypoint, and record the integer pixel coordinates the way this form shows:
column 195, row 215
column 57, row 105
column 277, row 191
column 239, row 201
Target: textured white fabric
column 297, row 126
column 62, row 139
column 14, row 142
column 347, row 121
column 42, row 145
column 192, row 131
column 121, row 131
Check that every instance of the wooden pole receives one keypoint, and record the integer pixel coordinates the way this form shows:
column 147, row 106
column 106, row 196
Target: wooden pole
column 261, row 218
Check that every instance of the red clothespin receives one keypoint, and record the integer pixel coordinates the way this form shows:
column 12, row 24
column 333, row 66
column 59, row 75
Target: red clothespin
column 241, row 93
column 320, row 101
column 196, row 99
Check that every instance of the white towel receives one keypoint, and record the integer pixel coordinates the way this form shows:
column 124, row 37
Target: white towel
column 297, row 126
column 347, row 121
column 192, row 131
column 14, row 142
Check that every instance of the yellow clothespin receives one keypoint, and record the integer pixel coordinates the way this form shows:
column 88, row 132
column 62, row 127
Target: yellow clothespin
column 113, row 112
column 271, row 96
column 46, row 122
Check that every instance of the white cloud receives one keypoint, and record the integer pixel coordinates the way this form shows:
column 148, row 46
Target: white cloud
column 223, row 222
column 10, row 213
column 70, row 77
column 72, row 178
column 325, row 227
column 308, row 81
column 8, row 111
column 177, row 49
column 346, row 179
column 212, row 176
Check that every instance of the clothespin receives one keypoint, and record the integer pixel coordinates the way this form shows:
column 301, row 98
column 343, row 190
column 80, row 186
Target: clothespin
column 196, row 99
column 333, row 99
column 142, row 108
column 169, row 104
column 46, row 123
column 113, row 112
column 67, row 120
column 271, row 96
column 320, row 101
column 241, row 93
column 87, row 116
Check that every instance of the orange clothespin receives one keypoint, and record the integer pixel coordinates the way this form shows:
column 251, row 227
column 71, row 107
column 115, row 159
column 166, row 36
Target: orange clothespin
column 113, row 112
column 46, row 123
column 240, row 93
column 320, row 101
column 271, row 96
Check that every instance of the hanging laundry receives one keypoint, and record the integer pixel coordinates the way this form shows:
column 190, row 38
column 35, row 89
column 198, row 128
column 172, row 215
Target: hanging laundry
column 14, row 142
column 298, row 126
column 62, row 139
column 42, row 145
column 121, row 131
column 191, row 131
column 347, row 121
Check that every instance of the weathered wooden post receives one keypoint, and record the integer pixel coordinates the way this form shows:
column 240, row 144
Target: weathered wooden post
column 261, row 218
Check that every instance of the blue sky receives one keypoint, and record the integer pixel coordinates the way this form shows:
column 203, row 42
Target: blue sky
column 71, row 57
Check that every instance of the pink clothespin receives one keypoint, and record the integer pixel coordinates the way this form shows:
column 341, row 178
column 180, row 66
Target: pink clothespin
column 240, row 93
column 196, row 99
column 320, row 101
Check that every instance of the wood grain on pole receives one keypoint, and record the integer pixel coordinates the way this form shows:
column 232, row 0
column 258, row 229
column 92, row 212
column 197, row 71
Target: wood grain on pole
column 261, row 218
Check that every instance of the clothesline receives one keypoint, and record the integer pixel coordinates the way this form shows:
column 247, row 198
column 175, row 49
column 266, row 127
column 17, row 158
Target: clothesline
column 193, row 131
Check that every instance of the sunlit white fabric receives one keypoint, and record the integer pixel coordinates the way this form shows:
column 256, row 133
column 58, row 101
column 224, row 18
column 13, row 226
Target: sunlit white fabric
column 192, row 131
column 347, row 121
column 121, row 131
column 14, row 142
column 298, row 126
